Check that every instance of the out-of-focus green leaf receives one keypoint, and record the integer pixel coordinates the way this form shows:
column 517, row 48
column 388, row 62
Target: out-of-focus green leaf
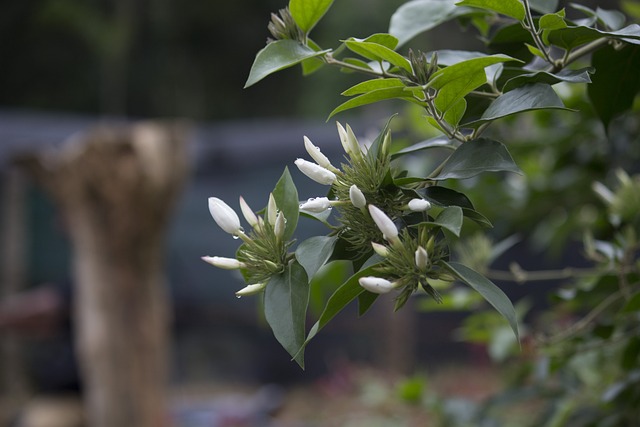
column 511, row 8
column 285, row 308
column 371, row 97
column 616, row 83
column 488, row 290
column 307, row 13
column 277, row 56
column 475, row 157
column 418, row 16
column 544, row 6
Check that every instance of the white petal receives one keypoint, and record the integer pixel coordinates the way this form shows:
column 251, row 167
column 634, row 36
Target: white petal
column 380, row 249
column 419, row 205
column 272, row 210
column 248, row 213
column 316, row 154
column 357, row 197
column 422, row 258
column 224, row 216
column 251, row 289
column 376, row 285
column 222, row 262
column 279, row 227
column 384, row 223
column 316, row 205
column 316, row 172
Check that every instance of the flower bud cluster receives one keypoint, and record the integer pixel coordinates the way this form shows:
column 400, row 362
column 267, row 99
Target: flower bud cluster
column 264, row 249
column 284, row 27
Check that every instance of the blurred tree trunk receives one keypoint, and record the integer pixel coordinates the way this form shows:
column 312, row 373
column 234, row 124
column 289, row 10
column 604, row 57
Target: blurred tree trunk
column 116, row 187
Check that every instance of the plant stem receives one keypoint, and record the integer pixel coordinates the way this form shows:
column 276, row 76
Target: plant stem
column 329, row 59
column 579, row 53
column 530, row 26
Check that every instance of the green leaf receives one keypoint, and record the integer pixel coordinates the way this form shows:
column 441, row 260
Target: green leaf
column 511, row 40
column 550, row 22
column 371, row 97
column 307, row 13
column 537, row 52
column 477, row 217
column 456, row 81
column 543, row 6
column 365, row 301
column 581, row 75
column 488, row 290
column 437, row 142
column 418, row 16
column 511, row 8
column 475, row 157
column 632, row 305
column 378, row 52
column 443, row 196
column 345, row 294
column 530, row 97
column 311, row 65
column 285, row 308
column 277, row 56
column 456, row 112
column 286, row 197
column 314, row 252
column 574, row 36
column 371, row 85
column 374, row 151
column 616, row 83
column 451, row 219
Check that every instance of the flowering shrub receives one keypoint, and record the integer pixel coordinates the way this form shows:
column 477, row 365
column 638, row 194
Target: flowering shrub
column 397, row 230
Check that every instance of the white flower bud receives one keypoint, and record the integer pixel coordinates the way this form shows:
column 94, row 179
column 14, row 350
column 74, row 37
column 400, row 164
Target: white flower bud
column 224, row 263
column 380, row 249
column 316, row 172
column 317, row 205
column 357, row 197
column 316, row 154
column 422, row 258
column 349, row 141
column 251, row 289
column 224, row 216
column 384, row 223
column 279, row 227
column 247, row 212
column 419, row 205
column 272, row 210
column 377, row 285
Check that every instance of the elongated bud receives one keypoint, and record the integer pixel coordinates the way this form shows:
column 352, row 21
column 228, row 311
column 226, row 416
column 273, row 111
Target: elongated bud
column 251, row 290
column 419, row 205
column 281, row 223
column 224, row 216
column 422, row 258
column 224, row 263
column 384, row 223
column 357, row 197
column 317, row 205
column 248, row 214
column 380, row 249
column 349, row 141
column 272, row 210
column 316, row 172
column 316, row 154
column 377, row 285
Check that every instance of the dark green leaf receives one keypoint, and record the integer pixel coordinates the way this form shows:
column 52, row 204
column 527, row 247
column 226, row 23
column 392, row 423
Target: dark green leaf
column 437, row 142
column 574, row 36
column 566, row 75
column 525, row 98
column 314, row 252
column 475, row 157
column 418, row 16
column 277, row 56
column 365, row 301
column 451, row 219
column 511, row 40
column 631, row 354
column 477, row 217
column 446, row 197
column 286, row 197
column 632, row 305
column 488, row 290
column 544, row 6
column 285, row 309
column 512, row 8
column 616, row 83
column 307, row 13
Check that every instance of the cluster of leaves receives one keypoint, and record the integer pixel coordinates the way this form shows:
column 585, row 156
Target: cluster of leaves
column 531, row 45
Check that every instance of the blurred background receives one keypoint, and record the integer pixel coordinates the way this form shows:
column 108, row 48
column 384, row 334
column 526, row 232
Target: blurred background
column 68, row 65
